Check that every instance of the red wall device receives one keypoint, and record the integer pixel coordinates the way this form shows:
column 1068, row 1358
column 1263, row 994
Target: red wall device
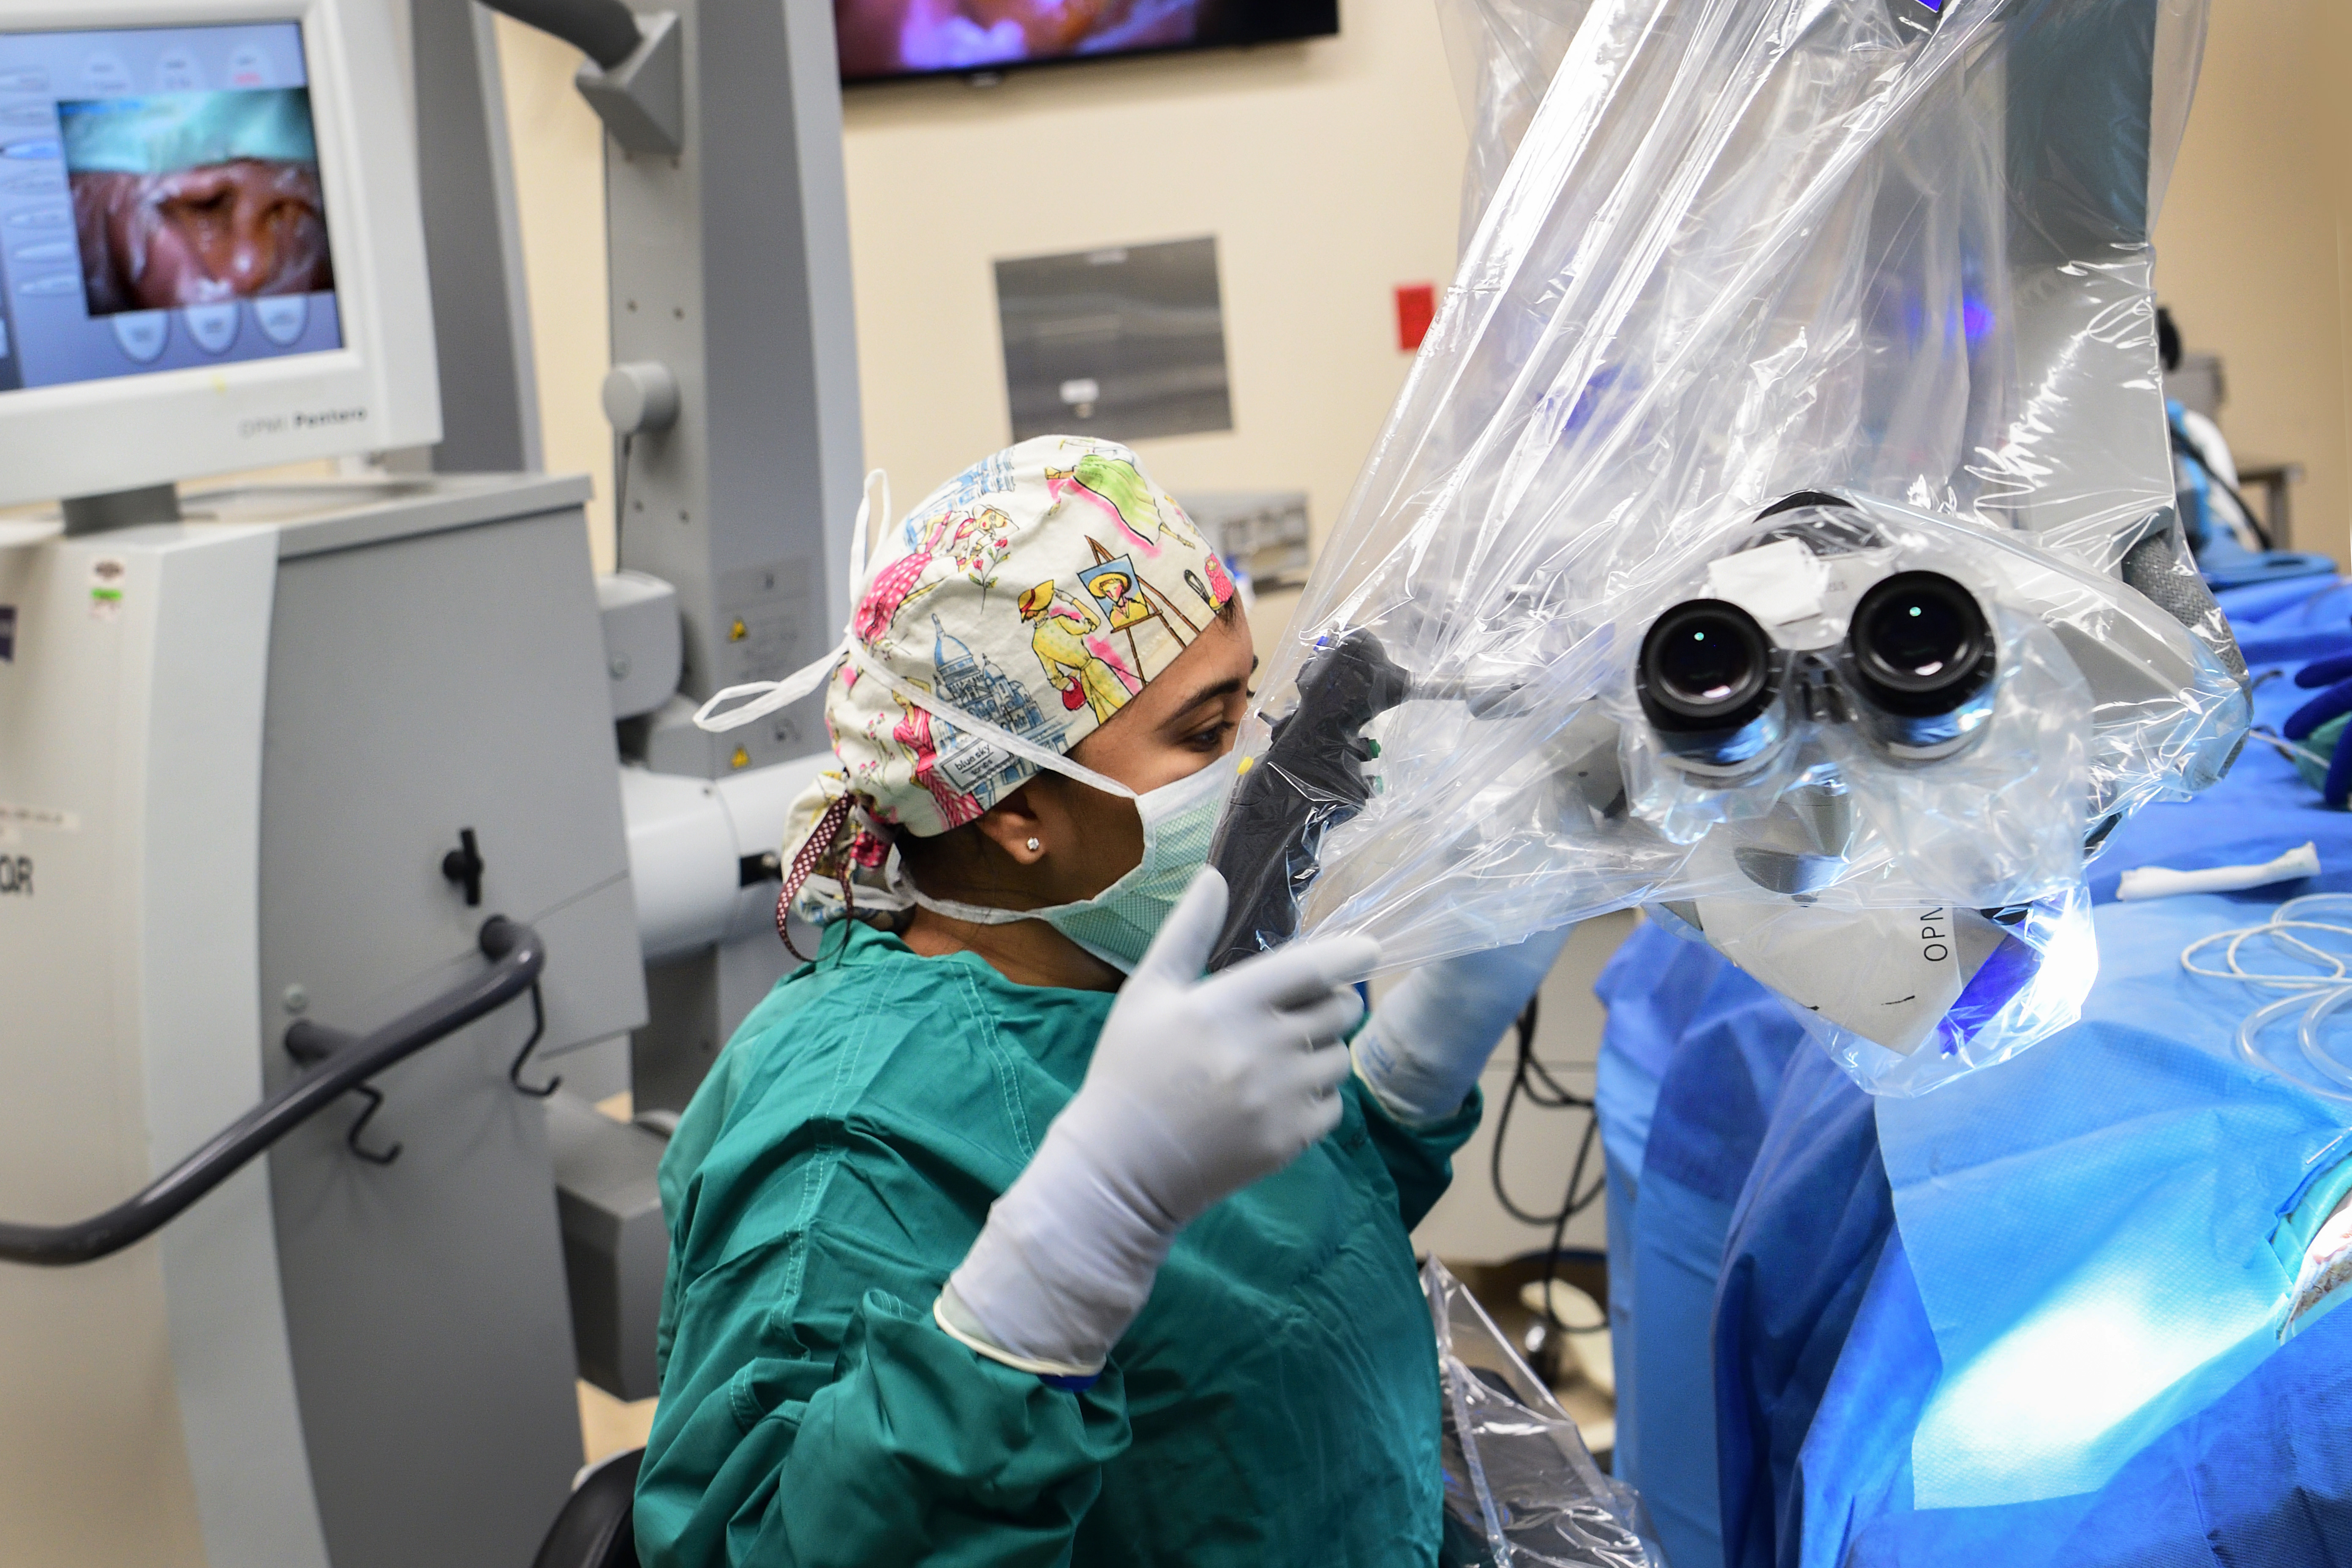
column 1416, row 308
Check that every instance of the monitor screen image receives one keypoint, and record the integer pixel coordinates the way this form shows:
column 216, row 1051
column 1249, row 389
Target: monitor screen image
column 190, row 198
column 160, row 202
column 881, row 39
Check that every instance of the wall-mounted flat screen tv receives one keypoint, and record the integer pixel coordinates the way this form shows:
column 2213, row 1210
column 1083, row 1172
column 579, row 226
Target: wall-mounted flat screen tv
column 882, row 40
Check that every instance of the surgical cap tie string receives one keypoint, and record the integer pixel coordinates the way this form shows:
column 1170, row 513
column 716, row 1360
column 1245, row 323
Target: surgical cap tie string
column 805, row 864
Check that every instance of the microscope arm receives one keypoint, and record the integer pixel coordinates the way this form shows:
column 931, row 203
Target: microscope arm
column 634, row 76
column 516, row 956
column 606, row 31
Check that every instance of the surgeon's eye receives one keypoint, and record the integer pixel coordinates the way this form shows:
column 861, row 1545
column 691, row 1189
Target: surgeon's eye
column 1211, row 738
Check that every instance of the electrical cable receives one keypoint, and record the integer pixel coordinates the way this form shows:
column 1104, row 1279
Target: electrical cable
column 621, row 495
column 2292, row 752
column 2184, row 446
column 1530, row 1078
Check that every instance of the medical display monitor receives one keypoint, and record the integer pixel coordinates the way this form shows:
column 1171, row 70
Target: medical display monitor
column 881, row 39
column 212, row 244
column 160, row 203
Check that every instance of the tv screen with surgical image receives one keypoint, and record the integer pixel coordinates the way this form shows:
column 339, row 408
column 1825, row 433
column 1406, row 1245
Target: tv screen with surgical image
column 884, row 39
column 195, row 198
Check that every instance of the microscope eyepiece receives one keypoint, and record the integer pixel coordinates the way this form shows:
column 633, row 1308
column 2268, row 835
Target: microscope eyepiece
column 1709, row 681
column 1922, row 660
column 1706, row 664
column 1921, row 644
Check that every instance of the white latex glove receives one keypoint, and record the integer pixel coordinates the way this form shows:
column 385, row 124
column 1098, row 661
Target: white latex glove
column 1431, row 1034
column 1198, row 1088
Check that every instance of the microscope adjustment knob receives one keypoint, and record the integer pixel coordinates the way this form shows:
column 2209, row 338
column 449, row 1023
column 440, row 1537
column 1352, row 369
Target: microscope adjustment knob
column 640, row 398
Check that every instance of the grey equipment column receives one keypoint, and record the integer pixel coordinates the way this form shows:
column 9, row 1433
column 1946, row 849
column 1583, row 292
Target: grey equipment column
column 735, row 407
column 473, row 241
column 729, row 271
column 734, row 398
column 729, row 266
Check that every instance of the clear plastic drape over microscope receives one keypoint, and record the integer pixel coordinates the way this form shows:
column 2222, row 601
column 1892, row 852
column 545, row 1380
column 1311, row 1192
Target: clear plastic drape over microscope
column 1777, row 528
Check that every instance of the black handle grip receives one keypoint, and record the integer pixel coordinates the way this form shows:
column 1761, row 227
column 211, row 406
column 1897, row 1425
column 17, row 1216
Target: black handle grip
column 604, row 30
column 516, row 956
column 1310, row 780
column 465, row 866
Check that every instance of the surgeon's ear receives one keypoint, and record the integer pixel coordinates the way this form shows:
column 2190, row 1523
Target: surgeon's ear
column 1014, row 826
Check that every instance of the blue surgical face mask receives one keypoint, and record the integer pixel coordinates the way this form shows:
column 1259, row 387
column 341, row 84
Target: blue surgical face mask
column 1118, row 924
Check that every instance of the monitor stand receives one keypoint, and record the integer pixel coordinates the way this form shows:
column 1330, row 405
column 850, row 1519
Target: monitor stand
column 120, row 509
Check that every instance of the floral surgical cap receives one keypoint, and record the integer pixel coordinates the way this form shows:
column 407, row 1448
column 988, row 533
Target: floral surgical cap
column 1038, row 591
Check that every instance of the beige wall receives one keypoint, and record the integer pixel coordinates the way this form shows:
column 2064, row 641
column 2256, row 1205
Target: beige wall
column 559, row 167
column 1328, row 171
column 2254, row 247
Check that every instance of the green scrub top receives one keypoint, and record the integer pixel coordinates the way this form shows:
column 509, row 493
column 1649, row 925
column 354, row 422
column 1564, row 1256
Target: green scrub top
column 1276, row 1401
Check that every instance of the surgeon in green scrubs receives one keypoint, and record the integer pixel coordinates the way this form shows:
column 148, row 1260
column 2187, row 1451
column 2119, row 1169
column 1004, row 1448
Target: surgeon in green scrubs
column 999, row 1234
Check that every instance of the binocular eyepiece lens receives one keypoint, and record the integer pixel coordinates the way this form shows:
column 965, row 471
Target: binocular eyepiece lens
column 1709, row 682
column 1921, row 644
column 1704, row 659
column 1917, row 671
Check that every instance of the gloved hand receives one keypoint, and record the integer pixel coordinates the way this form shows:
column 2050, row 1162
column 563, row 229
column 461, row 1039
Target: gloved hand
column 2333, row 703
column 1198, row 1088
column 1431, row 1034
